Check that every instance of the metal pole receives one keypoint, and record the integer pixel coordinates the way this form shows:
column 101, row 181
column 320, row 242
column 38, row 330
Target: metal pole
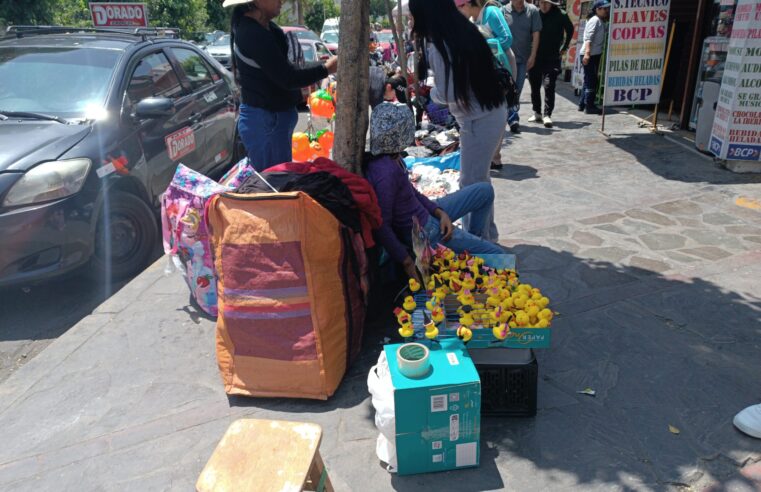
column 663, row 73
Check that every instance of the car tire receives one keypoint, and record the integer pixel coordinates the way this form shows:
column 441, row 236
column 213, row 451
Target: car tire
column 132, row 237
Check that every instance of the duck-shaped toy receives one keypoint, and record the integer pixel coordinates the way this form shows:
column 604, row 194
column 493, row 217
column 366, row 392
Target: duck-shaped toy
column 432, row 302
column 468, row 282
column 466, row 298
column 409, row 304
column 406, row 331
column 402, row 316
column 414, row 285
column 494, row 299
column 466, row 319
column 431, row 331
column 464, row 333
column 500, row 331
column 437, row 314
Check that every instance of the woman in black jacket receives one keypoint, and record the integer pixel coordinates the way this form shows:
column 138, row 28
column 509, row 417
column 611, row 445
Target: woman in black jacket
column 270, row 85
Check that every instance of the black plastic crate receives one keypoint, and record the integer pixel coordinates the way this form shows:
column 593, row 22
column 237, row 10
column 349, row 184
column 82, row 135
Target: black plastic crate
column 508, row 381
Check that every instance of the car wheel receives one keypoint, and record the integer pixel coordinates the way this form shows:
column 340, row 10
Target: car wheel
column 125, row 236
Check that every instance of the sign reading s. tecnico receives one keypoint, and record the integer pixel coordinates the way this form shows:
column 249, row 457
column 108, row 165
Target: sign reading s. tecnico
column 636, row 46
column 736, row 132
column 111, row 14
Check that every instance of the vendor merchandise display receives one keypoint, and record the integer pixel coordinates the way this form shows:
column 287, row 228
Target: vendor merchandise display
column 183, row 226
column 291, row 312
column 431, row 422
column 434, row 182
column 309, row 145
column 477, row 300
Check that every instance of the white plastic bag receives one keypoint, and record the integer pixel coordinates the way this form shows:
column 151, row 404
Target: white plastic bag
column 382, row 391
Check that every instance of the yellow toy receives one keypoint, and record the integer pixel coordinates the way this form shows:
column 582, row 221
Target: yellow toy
column 466, row 319
column 464, row 334
column 494, row 299
column 468, row 282
column 414, row 285
column 403, row 317
column 406, row 331
column 432, row 303
column 500, row 331
column 545, row 314
column 431, row 332
column 409, row 304
column 522, row 318
column 466, row 298
column 437, row 314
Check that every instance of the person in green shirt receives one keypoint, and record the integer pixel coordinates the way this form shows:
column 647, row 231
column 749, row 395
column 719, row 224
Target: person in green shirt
column 557, row 33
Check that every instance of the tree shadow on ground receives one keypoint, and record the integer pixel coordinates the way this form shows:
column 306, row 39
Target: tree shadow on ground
column 657, row 350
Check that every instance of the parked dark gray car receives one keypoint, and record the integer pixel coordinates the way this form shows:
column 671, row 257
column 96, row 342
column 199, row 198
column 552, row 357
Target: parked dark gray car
column 92, row 126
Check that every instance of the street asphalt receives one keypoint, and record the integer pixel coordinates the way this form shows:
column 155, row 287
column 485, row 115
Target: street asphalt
column 650, row 252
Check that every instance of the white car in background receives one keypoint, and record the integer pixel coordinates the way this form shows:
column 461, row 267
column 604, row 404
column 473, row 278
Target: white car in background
column 220, row 51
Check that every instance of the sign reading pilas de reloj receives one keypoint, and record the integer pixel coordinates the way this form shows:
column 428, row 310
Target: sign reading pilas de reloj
column 736, row 132
column 636, row 47
column 112, row 14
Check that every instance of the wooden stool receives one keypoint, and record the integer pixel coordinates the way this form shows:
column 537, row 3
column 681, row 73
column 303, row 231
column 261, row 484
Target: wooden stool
column 266, row 455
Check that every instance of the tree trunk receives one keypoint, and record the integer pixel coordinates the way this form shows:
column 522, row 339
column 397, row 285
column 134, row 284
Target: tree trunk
column 353, row 81
column 299, row 12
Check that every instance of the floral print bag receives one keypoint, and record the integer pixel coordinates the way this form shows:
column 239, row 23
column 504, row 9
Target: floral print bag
column 184, row 230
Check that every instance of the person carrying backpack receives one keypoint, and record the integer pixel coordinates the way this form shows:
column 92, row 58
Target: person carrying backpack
column 270, row 82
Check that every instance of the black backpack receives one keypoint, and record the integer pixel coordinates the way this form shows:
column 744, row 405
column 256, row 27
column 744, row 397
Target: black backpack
column 295, row 53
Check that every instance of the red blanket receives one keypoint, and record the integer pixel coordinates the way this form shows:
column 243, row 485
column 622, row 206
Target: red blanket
column 361, row 190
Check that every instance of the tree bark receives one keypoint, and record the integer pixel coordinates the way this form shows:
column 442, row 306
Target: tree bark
column 353, row 81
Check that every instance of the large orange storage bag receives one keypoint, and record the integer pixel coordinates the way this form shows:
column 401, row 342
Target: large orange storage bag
column 291, row 311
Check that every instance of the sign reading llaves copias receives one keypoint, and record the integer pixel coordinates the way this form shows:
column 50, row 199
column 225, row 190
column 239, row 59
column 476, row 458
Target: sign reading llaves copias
column 736, row 132
column 635, row 56
column 107, row 14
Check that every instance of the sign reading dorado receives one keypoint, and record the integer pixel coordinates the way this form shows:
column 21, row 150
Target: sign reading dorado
column 106, row 14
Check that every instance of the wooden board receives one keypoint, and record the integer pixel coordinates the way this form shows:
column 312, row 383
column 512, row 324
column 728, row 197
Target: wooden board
column 261, row 455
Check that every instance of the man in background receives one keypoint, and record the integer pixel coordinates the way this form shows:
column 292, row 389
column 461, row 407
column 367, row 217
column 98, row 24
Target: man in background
column 525, row 25
column 591, row 54
column 557, row 33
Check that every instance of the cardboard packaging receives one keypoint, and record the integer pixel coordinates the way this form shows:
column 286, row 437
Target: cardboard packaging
column 438, row 416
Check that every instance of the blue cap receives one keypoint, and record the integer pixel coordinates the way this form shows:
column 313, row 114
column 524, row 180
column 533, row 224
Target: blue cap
column 601, row 4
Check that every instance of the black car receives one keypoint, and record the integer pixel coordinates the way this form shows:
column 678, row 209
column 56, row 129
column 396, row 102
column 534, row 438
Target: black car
column 92, row 126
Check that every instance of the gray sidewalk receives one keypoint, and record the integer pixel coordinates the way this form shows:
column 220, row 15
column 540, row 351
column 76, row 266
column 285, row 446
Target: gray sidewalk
column 651, row 254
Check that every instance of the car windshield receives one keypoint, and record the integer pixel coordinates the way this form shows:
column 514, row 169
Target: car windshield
column 65, row 82
column 330, row 37
column 307, row 35
column 223, row 41
column 386, row 37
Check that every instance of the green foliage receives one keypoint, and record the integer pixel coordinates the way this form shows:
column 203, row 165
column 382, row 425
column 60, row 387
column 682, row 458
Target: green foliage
column 318, row 11
column 27, row 12
column 378, row 8
column 192, row 16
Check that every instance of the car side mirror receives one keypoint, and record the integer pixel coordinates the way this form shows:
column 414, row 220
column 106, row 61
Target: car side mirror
column 154, row 107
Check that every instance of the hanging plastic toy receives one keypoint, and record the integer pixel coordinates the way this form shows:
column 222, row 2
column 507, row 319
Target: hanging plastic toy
column 321, row 104
column 300, row 147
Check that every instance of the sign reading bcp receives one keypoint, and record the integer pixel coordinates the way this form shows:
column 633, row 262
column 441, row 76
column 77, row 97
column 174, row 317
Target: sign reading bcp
column 107, row 14
column 635, row 58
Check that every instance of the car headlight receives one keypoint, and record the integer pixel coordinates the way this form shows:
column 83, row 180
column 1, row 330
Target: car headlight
column 49, row 181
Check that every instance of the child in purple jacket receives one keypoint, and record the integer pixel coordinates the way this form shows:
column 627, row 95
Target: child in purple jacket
column 392, row 129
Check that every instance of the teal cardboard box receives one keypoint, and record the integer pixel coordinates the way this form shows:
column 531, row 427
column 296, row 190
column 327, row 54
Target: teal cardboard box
column 438, row 416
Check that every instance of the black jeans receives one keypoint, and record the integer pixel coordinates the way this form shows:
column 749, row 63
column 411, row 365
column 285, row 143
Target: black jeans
column 544, row 74
column 589, row 92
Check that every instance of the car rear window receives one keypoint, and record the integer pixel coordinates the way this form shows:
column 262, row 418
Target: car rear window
column 67, row 82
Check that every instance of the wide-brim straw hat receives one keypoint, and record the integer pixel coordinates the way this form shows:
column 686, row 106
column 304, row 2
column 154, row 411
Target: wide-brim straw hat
column 231, row 3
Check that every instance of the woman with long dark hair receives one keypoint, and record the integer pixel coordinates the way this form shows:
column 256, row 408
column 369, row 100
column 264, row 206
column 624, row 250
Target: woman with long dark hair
column 270, row 84
column 466, row 80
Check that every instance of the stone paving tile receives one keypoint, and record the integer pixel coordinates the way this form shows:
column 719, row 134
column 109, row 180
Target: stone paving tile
column 660, row 241
column 707, row 252
column 679, row 207
column 650, row 216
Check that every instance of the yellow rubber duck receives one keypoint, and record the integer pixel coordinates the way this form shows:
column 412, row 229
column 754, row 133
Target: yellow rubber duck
column 500, row 331
column 414, row 285
column 466, row 319
column 493, row 300
column 464, row 333
column 432, row 303
column 466, row 298
column 431, row 331
column 545, row 314
column 402, row 316
column 409, row 304
column 406, row 331
column 437, row 314
column 468, row 282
